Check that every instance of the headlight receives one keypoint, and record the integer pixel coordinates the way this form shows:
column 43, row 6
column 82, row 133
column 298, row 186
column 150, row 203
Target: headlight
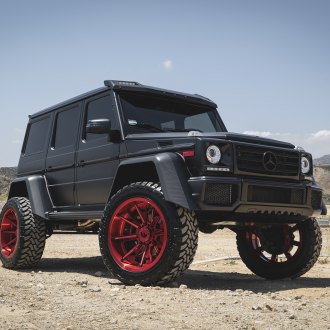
column 305, row 165
column 213, row 154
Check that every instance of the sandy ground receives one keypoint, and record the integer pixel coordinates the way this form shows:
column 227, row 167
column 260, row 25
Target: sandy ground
column 71, row 289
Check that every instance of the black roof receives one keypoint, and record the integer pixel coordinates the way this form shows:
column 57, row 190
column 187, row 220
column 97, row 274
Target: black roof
column 131, row 86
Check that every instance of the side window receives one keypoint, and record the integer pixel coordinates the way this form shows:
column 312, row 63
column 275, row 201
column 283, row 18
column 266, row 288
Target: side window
column 37, row 136
column 66, row 128
column 98, row 109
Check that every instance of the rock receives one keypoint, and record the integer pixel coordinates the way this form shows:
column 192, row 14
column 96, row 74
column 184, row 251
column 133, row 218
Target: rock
column 183, row 286
column 297, row 297
column 270, row 308
column 99, row 274
column 82, row 283
column 256, row 308
column 115, row 289
column 292, row 317
column 96, row 289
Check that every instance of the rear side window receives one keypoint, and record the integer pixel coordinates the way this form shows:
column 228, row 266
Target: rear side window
column 66, row 128
column 37, row 136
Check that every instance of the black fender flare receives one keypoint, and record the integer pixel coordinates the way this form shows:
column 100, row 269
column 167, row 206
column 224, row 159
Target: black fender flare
column 35, row 189
column 172, row 173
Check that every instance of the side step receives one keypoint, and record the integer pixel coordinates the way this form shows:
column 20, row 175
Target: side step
column 75, row 215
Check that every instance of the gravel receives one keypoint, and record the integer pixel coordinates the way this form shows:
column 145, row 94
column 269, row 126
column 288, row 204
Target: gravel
column 71, row 289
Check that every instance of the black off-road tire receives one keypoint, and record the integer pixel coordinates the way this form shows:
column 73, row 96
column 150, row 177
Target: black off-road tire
column 300, row 263
column 181, row 243
column 31, row 235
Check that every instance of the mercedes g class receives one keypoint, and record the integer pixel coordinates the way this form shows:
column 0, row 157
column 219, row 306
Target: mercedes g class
column 154, row 167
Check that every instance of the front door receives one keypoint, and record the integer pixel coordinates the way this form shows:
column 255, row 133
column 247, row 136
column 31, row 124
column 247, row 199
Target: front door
column 97, row 157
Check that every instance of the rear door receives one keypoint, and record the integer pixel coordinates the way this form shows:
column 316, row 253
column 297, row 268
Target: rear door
column 97, row 157
column 61, row 155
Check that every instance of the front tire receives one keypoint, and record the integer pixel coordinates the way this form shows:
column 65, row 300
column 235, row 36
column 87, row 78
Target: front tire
column 144, row 239
column 22, row 235
column 281, row 251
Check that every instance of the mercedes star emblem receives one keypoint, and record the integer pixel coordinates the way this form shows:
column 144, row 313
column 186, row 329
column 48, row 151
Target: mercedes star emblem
column 269, row 161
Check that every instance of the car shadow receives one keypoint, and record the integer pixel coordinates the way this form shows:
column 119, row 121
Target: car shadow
column 194, row 279
column 199, row 279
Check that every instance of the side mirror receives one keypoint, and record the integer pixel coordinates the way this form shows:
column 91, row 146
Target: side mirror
column 99, row 126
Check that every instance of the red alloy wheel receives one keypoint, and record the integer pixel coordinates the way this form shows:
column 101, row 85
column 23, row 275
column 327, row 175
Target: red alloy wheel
column 8, row 233
column 137, row 234
column 292, row 246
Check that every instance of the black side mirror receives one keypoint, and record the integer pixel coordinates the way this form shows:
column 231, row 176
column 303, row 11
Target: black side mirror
column 99, row 126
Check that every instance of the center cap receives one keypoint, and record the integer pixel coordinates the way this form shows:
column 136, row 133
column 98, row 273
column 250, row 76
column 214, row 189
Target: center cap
column 144, row 235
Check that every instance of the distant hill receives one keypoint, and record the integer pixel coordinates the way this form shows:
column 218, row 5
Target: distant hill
column 7, row 175
column 322, row 160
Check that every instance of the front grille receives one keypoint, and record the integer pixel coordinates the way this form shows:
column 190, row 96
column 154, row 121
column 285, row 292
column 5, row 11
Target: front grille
column 316, row 199
column 221, row 194
column 276, row 195
column 251, row 159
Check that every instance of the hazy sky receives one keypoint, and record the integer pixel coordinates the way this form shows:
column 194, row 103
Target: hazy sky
column 265, row 63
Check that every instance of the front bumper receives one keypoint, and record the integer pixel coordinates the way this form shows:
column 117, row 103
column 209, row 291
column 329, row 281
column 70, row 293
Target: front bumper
column 242, row 196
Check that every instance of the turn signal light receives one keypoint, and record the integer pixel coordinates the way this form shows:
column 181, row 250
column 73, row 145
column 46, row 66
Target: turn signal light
column 188, row 153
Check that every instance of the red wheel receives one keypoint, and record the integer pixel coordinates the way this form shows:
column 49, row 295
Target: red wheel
column 137, row 234
column 22, row 235
column 144, row 239
column 8, row 233
column 281, row 251
column 288, row 246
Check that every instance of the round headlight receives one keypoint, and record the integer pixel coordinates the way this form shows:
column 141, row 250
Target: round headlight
column 213, row 154
column 305, row 165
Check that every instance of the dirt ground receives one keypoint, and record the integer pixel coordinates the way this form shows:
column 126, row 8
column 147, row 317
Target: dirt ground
column 71, row 289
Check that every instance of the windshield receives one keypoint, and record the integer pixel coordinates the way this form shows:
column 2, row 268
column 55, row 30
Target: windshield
column 149, row 113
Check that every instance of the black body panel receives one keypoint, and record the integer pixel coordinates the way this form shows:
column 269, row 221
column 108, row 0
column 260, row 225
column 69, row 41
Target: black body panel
column 69, row 173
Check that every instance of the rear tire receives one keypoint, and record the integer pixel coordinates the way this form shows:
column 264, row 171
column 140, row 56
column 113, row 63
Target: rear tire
column 291, row 255
column 144, row 239
column 22, row 235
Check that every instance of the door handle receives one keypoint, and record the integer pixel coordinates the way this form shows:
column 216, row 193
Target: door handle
column 81, row 163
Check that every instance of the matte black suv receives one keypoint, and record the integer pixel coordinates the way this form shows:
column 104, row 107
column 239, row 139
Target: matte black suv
column 156, row 166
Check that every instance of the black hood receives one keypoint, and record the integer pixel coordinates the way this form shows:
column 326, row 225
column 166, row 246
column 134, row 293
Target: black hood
column 217, row 135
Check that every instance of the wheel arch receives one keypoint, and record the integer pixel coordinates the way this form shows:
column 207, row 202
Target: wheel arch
column 168, row 169
column 35, row 189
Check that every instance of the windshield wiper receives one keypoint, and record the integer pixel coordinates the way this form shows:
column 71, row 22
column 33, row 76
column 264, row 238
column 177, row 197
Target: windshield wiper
column 183, row 129
column 147, row 126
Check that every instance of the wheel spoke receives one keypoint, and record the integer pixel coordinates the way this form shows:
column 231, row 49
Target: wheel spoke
column 12, row 222
column 149, row 254
column 139, row 213
column 158, row 233
column 126, row 220
column 125, row 238
column 9, row 243
column 143, row 256
column 135, row 248
column 8, row 231
column 151, row 219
